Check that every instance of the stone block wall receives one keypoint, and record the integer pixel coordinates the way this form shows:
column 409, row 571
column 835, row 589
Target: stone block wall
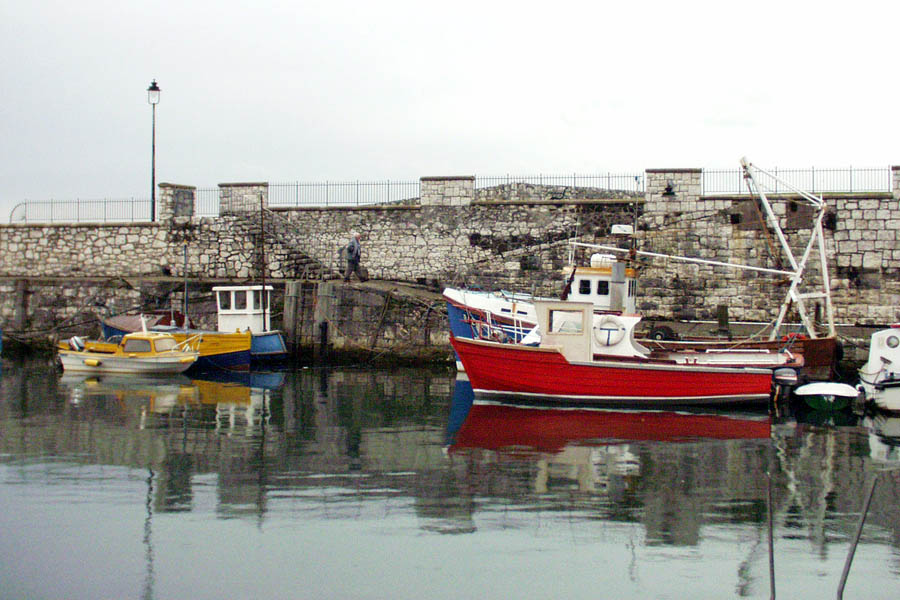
column 895, row 182
column 175, row 201
column 446, row 191
column 242, row 197
column 450, row 240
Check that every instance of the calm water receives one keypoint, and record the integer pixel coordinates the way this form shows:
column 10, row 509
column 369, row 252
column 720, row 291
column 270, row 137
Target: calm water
column 360, row 483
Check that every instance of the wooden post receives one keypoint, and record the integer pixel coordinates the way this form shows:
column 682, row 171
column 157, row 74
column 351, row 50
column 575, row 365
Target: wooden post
column 292, row 291
column 21, row 310
column 722, row 317
column 323, row 314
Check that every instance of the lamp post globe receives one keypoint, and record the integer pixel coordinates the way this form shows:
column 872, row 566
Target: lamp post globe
column 153, row 100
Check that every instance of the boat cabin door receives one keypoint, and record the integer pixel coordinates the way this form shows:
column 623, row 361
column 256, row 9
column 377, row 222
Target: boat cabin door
column 567, row 326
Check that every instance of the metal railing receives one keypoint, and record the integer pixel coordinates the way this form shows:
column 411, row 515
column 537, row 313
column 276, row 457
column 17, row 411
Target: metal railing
column 81, row 210
column 358, row 193
column 606, row 181
column 342, row 193
column 813, row 180
column 206, row 202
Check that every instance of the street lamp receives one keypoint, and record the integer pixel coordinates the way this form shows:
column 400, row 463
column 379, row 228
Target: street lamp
column 153, row 99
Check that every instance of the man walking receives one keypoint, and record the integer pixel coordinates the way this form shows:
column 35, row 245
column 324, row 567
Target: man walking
column 354, row 251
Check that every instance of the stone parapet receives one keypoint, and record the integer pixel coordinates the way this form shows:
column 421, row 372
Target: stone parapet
column 447, row 191
column 243, row 197
column 895, row 182
column 175, row 201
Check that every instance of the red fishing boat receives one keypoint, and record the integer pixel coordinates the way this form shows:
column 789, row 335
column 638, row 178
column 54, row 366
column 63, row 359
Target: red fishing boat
column 581, row 360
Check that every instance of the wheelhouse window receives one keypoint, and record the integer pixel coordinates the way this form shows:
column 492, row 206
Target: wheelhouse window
column 240, row 300
column 165, row 344
column 584, row 286
column 566, row 321
column 136, row 346
column 225, row 300
column 603, row 288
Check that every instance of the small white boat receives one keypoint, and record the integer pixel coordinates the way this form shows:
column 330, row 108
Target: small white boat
column 879, row 378
column 827, row 395
column 141, row 353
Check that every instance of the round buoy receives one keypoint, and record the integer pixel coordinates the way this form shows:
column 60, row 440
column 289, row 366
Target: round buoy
column 609, row 331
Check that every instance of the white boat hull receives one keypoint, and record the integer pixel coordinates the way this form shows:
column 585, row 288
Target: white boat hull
column 92, row 362
column 879, row 378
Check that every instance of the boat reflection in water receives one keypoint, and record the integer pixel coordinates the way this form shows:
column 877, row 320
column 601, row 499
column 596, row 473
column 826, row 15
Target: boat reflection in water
column 884, row 439
column 224, row 401
column 583, row 446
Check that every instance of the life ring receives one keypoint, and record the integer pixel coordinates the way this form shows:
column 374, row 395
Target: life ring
column 609, row 331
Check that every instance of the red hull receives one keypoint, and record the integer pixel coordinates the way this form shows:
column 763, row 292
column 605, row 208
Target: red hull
column 493, row 427
column 510, row 371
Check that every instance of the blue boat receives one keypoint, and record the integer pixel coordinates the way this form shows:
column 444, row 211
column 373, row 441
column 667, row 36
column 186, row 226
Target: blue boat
column 246, row 307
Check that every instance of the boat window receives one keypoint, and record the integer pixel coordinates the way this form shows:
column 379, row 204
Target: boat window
column 225, row 300
column 632, row 288
column 603, row 288
column 584, row 286
column 565, row 321
column 240, row 300
column 165, row 344
column 257, row 300
column 136, row 346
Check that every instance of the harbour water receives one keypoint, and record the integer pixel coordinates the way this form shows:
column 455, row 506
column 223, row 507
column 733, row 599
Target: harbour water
column 364, row 483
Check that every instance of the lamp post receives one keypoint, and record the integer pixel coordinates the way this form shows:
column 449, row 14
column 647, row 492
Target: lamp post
column 153, row 99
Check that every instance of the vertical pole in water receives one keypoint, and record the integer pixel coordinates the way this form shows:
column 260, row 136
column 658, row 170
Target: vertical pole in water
column 862, row 519
column 769, row 519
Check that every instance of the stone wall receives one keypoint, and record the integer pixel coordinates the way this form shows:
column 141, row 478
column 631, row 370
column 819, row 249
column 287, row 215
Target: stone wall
column 513, row 239
column 446, row 191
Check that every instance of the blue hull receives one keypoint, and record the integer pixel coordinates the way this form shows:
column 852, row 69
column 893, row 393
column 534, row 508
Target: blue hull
column 268, row 346
column 266, row 380
column 230, row 360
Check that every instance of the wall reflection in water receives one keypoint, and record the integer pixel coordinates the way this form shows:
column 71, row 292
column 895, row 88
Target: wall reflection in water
column 329, row 442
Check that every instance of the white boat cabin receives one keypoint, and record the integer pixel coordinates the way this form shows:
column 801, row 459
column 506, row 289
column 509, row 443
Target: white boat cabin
column 581, row 335
column 242, row 307
column 607, row 284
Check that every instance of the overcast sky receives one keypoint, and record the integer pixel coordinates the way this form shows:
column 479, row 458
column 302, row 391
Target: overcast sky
column 335, row 90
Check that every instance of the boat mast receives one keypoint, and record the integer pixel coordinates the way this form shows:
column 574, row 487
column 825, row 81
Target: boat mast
column 817, row 237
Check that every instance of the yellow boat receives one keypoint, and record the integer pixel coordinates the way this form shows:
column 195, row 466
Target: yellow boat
column 218, row 349
column 142, row 352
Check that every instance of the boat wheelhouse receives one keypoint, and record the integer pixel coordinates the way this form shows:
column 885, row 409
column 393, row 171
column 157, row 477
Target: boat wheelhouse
column 248, row 307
